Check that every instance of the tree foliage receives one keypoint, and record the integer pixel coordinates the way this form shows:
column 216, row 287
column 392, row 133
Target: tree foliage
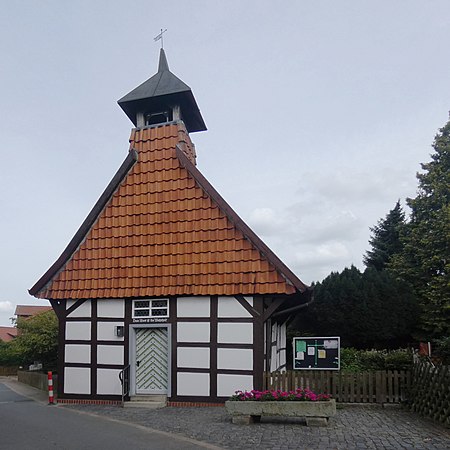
column 425, row 259
column 369, row 309
column 38, row 339
column 385, row 240
column 8, row 354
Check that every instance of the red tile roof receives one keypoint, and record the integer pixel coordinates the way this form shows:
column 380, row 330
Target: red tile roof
column 7, row 333
column 164, row 231
column 30, row 310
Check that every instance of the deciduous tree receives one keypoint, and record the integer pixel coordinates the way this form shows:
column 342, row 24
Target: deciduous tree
column 38, row 339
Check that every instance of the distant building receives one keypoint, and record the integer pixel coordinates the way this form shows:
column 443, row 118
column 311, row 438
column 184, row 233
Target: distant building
column 7, row 334
column 26, row 311
column 22, row 312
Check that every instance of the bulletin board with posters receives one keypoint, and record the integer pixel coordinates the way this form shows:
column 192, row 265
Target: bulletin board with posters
column 316, row 353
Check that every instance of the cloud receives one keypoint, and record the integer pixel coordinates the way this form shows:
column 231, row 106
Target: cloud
column 5, row 306
column 326, row 227
column 266, row 222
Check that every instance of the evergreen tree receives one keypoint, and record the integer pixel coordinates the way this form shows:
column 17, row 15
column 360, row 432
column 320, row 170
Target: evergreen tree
column 385, row 240
column 365, row 309
column 425, row 259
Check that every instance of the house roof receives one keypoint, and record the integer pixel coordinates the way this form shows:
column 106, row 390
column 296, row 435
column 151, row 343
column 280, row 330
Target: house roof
column 159, row 91
column 161, row 229
column 30, row 310
column 7, row 333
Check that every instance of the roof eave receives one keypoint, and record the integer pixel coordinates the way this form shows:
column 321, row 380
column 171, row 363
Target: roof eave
column 287, row 274
column 85, row 227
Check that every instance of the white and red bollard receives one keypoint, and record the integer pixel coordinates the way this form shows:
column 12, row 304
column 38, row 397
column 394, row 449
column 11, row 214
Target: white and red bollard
column 51, row 398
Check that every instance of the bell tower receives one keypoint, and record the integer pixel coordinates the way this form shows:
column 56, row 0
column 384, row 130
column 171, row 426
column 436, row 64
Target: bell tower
column 163, row 98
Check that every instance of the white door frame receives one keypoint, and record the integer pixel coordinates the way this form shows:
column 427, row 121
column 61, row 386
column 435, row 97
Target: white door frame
column 132, row 354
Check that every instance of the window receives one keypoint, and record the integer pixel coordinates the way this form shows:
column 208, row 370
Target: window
column 150, row 308
column 158, row 117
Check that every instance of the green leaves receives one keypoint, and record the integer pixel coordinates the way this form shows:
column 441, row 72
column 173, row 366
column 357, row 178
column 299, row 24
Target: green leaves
column 38, row 339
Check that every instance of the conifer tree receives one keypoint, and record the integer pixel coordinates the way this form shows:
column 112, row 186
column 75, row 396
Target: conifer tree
column 425, row 260
column 385, row 240
column 365, row 309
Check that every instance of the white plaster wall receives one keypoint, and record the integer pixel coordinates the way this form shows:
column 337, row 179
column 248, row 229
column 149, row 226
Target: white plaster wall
column 227, row 385
column 193, row 357
column 106, row 331
column 84, row 310
column 111, row 308
column 235, row 358
column 69, row 303
column 77, row 353
column 193, row 306
column 77, row 380
column 278, row 351
column 193, row 384
column 235, row 333
column 78, row 331
column 110, row 354
column 230, row 307
column 193, row 331
column 108, row 382
column 265, row 347
column 281, row 344
column 274, row 362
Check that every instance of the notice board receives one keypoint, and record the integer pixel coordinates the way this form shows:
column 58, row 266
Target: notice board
column 316, row 353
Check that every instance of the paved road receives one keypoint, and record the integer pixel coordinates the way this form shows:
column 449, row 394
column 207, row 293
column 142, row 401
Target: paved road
column 28, row 424
column 358, row 427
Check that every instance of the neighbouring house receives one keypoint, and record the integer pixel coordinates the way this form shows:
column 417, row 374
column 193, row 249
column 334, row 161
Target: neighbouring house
column 27, row 311
column 7, row 334
column 22, row 312
column 164, row 277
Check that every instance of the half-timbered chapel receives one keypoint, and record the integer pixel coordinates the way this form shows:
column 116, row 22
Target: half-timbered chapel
column 163, row 283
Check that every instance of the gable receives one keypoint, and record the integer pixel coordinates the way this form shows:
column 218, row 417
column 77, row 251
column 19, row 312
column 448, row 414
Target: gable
column 166, row 232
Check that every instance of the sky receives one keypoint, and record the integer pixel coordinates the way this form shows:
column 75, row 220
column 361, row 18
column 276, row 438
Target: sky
column 318, row 114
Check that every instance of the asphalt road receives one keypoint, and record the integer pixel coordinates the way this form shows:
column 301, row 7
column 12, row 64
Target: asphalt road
column 28, row 424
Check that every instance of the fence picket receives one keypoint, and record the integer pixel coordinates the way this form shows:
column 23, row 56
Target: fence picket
column 365, row 387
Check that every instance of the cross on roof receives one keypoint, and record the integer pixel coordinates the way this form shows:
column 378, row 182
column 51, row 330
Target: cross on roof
column 160, row 36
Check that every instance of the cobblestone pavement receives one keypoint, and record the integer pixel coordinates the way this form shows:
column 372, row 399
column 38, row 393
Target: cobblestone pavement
column 354, row 427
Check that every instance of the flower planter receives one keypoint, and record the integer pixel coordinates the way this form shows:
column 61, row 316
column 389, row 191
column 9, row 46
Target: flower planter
column 316, row 413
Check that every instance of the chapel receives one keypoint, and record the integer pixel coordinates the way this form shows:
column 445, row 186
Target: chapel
column 164, row 290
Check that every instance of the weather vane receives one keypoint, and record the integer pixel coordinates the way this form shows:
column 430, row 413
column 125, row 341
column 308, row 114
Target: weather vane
column 160, row 36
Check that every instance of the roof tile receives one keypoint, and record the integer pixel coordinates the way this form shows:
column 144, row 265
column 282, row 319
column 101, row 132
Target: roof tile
column 162, row 234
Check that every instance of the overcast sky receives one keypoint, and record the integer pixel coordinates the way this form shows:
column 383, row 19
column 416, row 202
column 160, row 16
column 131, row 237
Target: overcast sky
column 318, row 114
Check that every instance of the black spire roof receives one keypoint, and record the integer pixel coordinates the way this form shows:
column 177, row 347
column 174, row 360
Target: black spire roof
column 162, row 90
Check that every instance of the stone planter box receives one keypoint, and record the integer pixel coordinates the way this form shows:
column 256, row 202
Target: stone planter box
column 246, row 412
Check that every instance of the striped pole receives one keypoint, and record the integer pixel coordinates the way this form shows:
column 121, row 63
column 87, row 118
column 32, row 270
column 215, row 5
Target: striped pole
column 50, row 388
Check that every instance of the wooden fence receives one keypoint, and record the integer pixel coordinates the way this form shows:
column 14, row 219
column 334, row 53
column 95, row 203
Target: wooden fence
column 430, row 392
column 390, row 386
column 8, row 370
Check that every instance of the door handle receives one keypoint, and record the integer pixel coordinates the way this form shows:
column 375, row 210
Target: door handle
column 137, row 363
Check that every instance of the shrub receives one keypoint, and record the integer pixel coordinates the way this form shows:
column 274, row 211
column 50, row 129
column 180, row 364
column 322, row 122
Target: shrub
column 353, row 360
column 442, row 349
column 8, row 354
